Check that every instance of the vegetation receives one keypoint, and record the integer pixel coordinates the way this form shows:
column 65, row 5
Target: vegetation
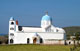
column 35, row 48
column 3, row 40
column 77, row 36
column 71, row 30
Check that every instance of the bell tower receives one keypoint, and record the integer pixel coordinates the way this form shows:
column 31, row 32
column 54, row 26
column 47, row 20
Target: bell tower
column 12, row 29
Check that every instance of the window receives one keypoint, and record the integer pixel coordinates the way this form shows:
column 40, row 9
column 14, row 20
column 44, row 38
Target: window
column 11, row 34
column 41, row 41
column 12, row 23
column 11, row 28
column 28, row 40
column 11, row 41
column 20, row 28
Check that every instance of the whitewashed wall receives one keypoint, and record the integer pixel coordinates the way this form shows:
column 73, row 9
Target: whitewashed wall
column 21, row 37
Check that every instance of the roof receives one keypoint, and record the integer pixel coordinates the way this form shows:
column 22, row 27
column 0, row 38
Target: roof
column 31, row 26
column 46, row 18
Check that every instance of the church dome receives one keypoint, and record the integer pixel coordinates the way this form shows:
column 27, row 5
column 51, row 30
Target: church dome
column 46, row 18
column 11, row 18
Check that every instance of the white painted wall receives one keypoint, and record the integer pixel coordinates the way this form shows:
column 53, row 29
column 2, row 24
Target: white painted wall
column 11, row 31
column 21, row 37
column 32, row 29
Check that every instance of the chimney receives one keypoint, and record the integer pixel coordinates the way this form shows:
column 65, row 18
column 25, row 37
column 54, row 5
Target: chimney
column 16, row 22
column 17, row 25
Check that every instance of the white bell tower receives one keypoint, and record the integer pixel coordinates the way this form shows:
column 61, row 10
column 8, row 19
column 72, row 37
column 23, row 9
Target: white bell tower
column 12, row 29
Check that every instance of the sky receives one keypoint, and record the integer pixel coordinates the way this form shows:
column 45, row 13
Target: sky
column 64, row 13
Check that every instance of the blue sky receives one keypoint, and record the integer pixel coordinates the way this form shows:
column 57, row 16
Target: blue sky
column 29, row 12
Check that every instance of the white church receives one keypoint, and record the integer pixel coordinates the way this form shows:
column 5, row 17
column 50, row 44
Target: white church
column 45, row 34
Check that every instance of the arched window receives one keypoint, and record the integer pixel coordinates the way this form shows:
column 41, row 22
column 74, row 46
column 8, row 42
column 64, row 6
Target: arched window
column 28, row 40
column 41, row 41
column 11, row 41
column 12, row 23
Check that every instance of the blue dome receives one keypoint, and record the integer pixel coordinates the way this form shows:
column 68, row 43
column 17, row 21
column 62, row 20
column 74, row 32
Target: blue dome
column 11, row 18
column 46, row 18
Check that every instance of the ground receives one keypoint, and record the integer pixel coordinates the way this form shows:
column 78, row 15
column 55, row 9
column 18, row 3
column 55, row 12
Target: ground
column 34, row 48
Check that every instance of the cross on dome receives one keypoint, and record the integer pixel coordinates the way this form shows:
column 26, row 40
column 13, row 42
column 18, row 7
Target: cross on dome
column 46, row 12
column 46, row 17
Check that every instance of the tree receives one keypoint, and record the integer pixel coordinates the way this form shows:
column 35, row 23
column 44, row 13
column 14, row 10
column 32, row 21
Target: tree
column 77, row 36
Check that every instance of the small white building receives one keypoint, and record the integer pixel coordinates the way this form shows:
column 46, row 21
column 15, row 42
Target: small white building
column 45, row 34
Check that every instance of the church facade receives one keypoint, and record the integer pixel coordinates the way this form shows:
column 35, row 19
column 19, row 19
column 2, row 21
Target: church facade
column 45, row 34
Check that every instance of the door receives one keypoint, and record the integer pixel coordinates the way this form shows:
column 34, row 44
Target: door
column 34, row 40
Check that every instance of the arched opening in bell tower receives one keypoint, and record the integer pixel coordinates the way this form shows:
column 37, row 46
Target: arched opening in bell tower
column 11, row 41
